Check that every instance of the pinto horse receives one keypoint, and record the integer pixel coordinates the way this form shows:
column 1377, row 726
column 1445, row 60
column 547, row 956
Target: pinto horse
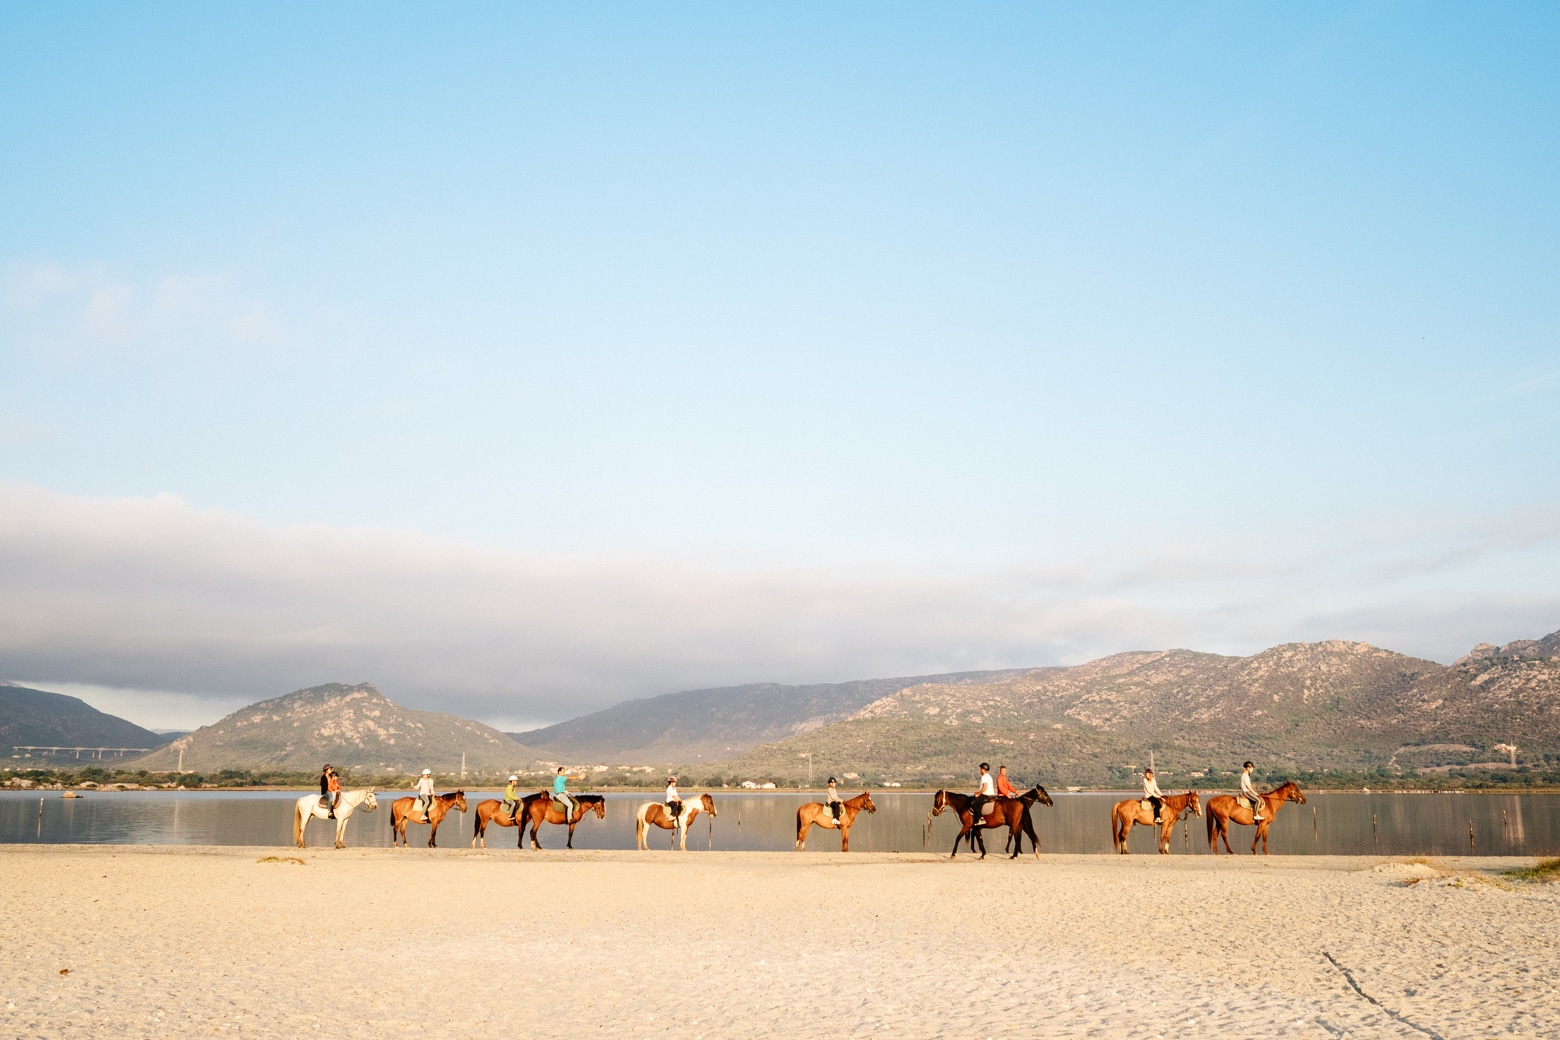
column 491, row 811
column 1225, row 809
column 1013, row 812
column 401, row 813
column 540, row 812
column 1125, row 815
column 654, row 813
column 309, row 808
column 818, row 814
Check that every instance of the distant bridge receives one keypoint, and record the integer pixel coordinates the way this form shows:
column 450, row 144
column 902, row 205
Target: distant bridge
column 92, row 752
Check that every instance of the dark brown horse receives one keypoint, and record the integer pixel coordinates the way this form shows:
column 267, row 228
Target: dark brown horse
column 539, row 812
column 491, row 811
column 401, row 814
column 817, row 814
column 1226, row 809
column 1126, row 815
column 1012, row 812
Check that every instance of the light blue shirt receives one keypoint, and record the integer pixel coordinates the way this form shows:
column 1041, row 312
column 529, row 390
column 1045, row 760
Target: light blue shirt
column 560, row 784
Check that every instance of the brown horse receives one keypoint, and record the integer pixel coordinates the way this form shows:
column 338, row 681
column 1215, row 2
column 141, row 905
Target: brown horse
column 655, row 814
column 491, row 811
column 540, row 812
column 818, row 814
column 401, row 813
column 1225, row 809
column 1013, row 812
column 1134, row 811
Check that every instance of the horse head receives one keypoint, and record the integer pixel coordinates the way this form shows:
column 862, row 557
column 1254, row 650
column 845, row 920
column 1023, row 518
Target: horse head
column 1292, row 792
column 866, row 802
column 460, row 800
column 370, row 803
column 939, row 803
column 600, row 808
column 1195, row 804
column 709, row 804
column 1041, row 796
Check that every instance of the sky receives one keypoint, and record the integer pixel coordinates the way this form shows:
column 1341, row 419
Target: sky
column 524, row 359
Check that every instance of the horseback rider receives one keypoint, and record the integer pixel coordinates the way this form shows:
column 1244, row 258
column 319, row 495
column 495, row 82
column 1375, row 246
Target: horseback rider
column 674, row 804
column 986, row 790
column 1248, row 790
column 1005, row 788
column 832, row 799
column 561, row 793
column 425, row 795
column 330, row 789
column 511, row 797
column 1153, row 794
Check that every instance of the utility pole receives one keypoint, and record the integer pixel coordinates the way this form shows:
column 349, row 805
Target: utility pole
column 463, row 765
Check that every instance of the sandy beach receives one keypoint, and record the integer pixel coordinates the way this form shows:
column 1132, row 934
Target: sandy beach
column 161, row 941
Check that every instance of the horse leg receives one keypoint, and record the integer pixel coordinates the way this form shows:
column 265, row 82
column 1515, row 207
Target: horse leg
column 844, row 837
column 1224, row 832
column 570, row 843
column 959, row 838
column 1029, row 829
column 801, row 835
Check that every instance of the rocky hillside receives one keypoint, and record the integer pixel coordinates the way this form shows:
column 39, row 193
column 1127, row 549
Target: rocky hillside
column 1301, row 705
column 353, row 727
column 713, row 725
column 40, row 717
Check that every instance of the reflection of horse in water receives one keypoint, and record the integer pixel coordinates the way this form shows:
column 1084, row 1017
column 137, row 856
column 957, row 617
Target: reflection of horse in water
column 1128, row 814
column 491, row 811
column 309, row 807
column 654, row 814
column 1226, row 809
column 817, row 814
column 1010, row 812
column 402, row 813
column 540, row 812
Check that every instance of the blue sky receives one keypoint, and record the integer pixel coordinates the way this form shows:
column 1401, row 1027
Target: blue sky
column 1215, row 325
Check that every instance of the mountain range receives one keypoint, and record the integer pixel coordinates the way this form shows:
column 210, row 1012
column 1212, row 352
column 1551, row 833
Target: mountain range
column 716, row 724
column 355, row 728
column 38, row 717
column 1300, row 706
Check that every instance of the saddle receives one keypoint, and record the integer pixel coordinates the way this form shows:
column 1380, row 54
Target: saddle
column 1147, row 806
column 324, row 803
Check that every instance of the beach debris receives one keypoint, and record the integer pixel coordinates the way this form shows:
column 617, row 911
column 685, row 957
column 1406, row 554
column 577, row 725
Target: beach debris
column 280, row 859
column 64, row 971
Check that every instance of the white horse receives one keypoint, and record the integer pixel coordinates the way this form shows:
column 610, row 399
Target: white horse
column 309, row 806
column 654, row 814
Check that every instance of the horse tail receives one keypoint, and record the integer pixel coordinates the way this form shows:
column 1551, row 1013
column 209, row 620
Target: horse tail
column 1213, row 825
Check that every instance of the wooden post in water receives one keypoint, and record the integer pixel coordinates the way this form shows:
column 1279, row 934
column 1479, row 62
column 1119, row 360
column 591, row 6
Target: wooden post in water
column 1505, row 827
column 40, row 819
column 1470, row 835
column 1315, row 837
column 1374, row 840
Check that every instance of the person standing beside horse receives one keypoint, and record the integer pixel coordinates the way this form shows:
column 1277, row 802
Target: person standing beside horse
column 1248, row 791
column 1153, row 794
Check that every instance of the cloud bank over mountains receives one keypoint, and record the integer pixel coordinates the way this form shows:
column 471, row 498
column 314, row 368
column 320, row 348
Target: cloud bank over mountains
column 212, row 608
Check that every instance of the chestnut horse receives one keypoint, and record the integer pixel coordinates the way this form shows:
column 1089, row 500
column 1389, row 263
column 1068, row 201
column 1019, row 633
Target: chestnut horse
column 654, row 813
column 309, row 808
column 540, row 812
column 818, row 814
column 1225, row 809
column 491, row 811
column 1013, row 812
column 1134, row 811
column 401, row 814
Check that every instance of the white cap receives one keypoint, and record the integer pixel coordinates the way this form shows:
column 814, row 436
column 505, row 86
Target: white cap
column 513, row 776
column 427, row 772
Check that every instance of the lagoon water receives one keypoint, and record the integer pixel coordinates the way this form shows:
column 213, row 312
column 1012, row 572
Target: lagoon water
column 1333, row 824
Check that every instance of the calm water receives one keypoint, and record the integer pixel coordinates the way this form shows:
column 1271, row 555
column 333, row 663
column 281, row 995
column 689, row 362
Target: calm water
column 1406, row 824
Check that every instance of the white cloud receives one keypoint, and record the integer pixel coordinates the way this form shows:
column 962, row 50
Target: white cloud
column 89, row 312
column 153, row 594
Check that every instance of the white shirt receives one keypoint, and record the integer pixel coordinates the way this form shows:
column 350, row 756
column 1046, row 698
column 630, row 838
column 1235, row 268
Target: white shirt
column 1247, row 788
column 988, row 786
column 1151, row 788
column 425, row 787
column 671, row 793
